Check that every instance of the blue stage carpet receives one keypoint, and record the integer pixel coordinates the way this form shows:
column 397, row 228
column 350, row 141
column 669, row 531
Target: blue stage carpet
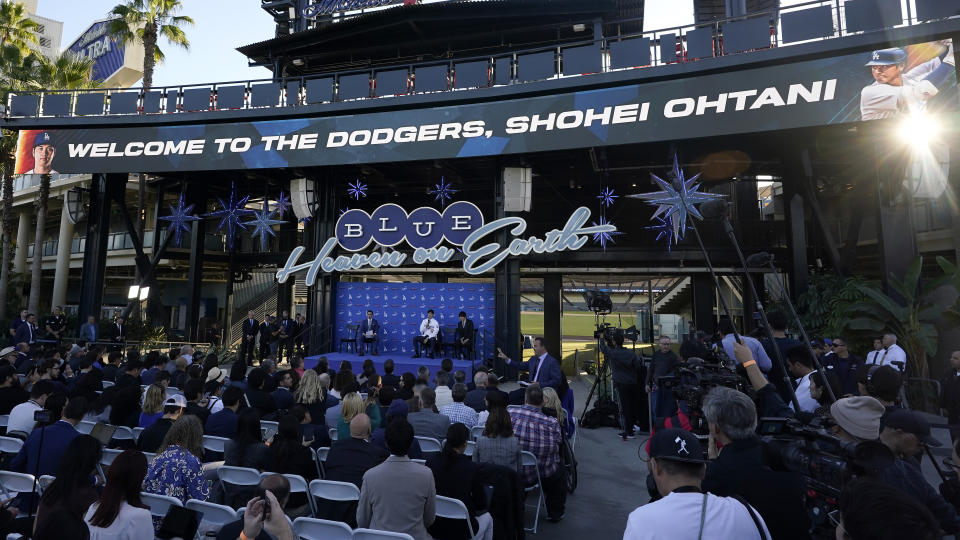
column 402, row 363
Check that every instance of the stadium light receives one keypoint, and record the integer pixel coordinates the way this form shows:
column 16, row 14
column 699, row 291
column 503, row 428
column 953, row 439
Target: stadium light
column 134, row 292
column 919, row 129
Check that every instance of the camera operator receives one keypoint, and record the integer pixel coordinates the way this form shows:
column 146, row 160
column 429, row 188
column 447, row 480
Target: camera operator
column 771, row 403
column 738, row 468
column 624, row 366
column 663, row 364
column 857, row 419
column 905, row 433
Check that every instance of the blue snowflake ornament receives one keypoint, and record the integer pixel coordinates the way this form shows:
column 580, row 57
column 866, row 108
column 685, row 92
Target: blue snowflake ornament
column 179, row 218
column 607, row 197
column 357, row 189
column 678, row 199
column 230, row 214
column 283, row 204
column 305, row 220
column 263, row 223
column 604, row 237
column 664, row 229
column 442, row 192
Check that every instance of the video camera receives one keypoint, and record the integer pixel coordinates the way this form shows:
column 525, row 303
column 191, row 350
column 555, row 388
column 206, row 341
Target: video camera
column 607, row 332
column 692, row 382
column 825, row 462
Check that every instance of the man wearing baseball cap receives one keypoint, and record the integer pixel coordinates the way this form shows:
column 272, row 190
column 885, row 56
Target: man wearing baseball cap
column 43, row 154
column 895, row 90
column 677, row 465
column 906, row 433
column 152, row 437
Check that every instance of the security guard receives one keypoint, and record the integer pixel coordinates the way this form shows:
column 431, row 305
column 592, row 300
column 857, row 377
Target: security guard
column 56, row 324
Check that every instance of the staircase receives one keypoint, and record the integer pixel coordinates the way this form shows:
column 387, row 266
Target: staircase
column 259, row 295
column 674, row 292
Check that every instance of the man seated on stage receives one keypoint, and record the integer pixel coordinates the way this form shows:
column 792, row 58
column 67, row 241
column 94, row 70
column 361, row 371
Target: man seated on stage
column 370, row 333
column 463, row 339
column 429, row 330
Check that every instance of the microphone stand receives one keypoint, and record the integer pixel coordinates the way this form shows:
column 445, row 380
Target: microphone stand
column 763, row 313
column 803, row 332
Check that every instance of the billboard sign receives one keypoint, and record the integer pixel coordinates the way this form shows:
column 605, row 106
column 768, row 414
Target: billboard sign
column 845, row 89
column 98, row 45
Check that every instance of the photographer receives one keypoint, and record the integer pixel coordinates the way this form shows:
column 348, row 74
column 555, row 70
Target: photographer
column 624, row 366
column 737, row 466
column 905, row 433
column 663, row 364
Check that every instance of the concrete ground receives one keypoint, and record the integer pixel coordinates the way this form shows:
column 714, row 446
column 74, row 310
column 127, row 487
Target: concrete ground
column 611, row 482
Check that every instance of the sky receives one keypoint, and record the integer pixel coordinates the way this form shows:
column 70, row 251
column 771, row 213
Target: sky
column 223, row 25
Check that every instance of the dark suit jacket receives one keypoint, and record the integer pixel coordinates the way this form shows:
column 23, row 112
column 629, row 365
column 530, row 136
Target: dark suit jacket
column 266, row 333
column 118, row 334
column 152, row 437
column 222, row 423
column 261, row 401
column 25, row 333
column 350, row 458
column 364, row 326
column 89, row 332
column 777, row 496
column 476, row 399
column 30, row 460
column 390, row 380
column 248, row 329
column 550, row 373
column 283, row 397
column 459, row 481
column 464, row 330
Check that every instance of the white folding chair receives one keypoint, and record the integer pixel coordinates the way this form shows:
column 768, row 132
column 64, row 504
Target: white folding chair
column 44, row 482
column 214, row 444
column 159, row 504
column 471, row 446
column 454, row 509
column 319, row 457
column 106, row 460
column 298, row 484
column 334, row 491
column 9, row 445
column 13, row 483
column 370, row 534
column 333, row 433
column 171, row 391
column 514, row 407
column 107, row 384
column 4, row 420
column 527, row 459
column 85, row 426
column 476, row 432
column 136, row 433
column 123, row 433
column 429, row 445
column 420, row 461
column 237, row 476
column 321, row 529
column 266, row 425
column 215, row 516
column 149, row 456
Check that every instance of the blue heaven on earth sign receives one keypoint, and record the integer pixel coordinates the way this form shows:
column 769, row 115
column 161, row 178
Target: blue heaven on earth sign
column 425, row 229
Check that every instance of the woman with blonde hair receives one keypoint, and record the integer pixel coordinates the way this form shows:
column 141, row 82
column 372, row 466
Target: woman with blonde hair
column 152, row 408
column 552, row 407
column 177, row 471
column 312, row 395
column 353, row 405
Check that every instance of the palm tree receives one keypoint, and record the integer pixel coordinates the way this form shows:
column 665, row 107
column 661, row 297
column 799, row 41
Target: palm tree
column 16, row 28
column 145, row 21
column 67, row 72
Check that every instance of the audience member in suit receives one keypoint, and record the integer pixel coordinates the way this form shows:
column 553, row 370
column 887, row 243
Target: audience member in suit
column 476, row 398
column 397, row 409
column 398, row 495
column 118, row 332
column 350, row 458
column 247, row 449
column 426, row 422
column 250, row 326
column 89, row 332
column 256, row 396
column 27, row 331
column 311, row 432
column 463, row 337
column 542, row 367
column 11, row 394
column 152, row 437
column 56, row 439
column 388, row 378
column 283, row 396
column 131, row 374
column 455, row 476
column 224, row 422
column 112, row 367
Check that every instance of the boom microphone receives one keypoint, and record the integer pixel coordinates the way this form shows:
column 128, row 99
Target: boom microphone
column 715, row 209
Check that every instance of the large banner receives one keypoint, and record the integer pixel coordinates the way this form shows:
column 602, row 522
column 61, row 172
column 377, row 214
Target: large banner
column 866, row 86
column 400, row 307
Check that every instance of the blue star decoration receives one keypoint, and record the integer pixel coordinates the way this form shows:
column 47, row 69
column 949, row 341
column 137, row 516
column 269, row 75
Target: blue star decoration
column 607, row 197
column 603, row 238
column 664, row 229
column 344, row 210
column 179, row 218
column 305, row 220
column 263, row 223
column 229, row 215
column 442, row 191
column 283, row 204
column 357, row 189
column 678, row 199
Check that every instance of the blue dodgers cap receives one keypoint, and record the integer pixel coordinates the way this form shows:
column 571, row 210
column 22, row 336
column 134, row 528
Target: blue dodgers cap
column 43, row 137
column 887, row 57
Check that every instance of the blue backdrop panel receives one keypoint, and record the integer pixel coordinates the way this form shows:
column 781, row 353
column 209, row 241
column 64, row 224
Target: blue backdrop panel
column 400, row 307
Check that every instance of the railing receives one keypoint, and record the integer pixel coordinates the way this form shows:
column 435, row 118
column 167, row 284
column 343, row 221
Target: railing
column 810, row 21
column 25, row 181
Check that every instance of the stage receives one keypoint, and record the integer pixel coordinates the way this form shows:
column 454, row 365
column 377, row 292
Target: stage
column 402, row 363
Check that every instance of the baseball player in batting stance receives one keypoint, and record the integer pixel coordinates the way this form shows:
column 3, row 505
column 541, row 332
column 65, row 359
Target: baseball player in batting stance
column 895, row 90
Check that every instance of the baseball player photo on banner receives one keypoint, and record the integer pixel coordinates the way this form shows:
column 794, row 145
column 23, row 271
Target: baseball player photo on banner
column 36, row 150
